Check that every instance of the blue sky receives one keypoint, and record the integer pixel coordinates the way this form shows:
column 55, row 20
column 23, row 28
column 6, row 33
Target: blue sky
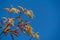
column 46, row 20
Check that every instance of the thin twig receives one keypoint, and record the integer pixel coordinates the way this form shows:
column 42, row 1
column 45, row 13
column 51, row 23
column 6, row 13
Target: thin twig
column 12, row 36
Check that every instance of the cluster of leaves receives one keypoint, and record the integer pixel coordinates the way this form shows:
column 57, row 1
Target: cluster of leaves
column 24, row 26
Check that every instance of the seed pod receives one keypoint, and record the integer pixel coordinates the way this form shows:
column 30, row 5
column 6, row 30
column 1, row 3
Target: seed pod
column 29, row 13
column 11, row 21
column 7, row 9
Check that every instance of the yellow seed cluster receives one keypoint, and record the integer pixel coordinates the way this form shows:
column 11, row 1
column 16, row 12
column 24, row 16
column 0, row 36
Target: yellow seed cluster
column 23, row 26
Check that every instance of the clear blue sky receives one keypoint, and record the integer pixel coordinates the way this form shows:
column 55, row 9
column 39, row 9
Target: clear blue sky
column 46, row 20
